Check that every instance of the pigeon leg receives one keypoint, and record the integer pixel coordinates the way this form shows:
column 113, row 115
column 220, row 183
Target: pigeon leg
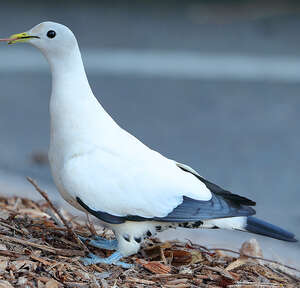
column 112, row 259
column 100, row 242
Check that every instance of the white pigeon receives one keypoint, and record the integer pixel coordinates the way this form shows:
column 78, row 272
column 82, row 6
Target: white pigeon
column 100, row 168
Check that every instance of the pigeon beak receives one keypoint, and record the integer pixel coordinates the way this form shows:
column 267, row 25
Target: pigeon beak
column 21, row 37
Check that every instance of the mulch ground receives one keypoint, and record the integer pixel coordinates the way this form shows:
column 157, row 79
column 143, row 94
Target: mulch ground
column 38, row 250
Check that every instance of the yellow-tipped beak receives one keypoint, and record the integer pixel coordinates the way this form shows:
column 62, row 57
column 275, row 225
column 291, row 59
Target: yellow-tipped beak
column 21, row 37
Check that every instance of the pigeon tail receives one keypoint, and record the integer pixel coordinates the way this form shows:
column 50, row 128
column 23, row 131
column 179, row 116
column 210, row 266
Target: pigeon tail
column 257, row 226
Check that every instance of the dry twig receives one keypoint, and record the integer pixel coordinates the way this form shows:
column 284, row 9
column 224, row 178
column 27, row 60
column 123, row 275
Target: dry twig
column 70, row 230
column 256, row 258
column 63, row 252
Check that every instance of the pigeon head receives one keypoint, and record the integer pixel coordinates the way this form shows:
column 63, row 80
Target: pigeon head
column 53, row 39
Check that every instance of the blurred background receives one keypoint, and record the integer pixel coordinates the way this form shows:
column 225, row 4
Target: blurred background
column 213, row 84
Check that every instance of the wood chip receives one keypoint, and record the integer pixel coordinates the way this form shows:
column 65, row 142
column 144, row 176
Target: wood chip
column 34, row 213
column 221, row 271
column 141, row 281
column 63, row 252
column 237, row 263
column 154, row 251
column 179, row 257
column 36, row 252
column 45, row 262
column 5, row 284
column 177, row 286
column 251, row 248
column 51, row 284
column 177, row 281
column 154, row 266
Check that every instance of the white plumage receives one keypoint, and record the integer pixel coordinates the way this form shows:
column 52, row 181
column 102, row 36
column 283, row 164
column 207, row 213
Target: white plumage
column 99, row 167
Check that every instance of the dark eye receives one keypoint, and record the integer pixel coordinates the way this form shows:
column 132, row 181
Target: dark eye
column 51, row 34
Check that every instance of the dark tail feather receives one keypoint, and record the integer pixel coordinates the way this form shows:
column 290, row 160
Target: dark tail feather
column 257, row 226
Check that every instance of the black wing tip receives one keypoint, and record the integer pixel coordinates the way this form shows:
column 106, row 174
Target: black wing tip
column 246, row 201
column 258, row 226
column 236, row 198
column 251, row 211
column 217, row 190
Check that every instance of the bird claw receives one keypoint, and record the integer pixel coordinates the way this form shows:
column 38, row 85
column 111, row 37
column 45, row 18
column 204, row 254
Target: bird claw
column 95, row 237
column 113, row 259
column 102, row 243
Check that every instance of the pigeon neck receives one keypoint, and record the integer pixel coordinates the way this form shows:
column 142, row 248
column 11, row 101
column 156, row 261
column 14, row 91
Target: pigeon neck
column 74, row 110
column 68, row 72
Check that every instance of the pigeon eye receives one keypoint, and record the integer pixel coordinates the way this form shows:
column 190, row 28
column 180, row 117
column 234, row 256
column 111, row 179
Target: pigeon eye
column 51, row 34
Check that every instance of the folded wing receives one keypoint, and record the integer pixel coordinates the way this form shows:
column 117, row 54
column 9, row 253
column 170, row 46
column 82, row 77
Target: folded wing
column 158, row 189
